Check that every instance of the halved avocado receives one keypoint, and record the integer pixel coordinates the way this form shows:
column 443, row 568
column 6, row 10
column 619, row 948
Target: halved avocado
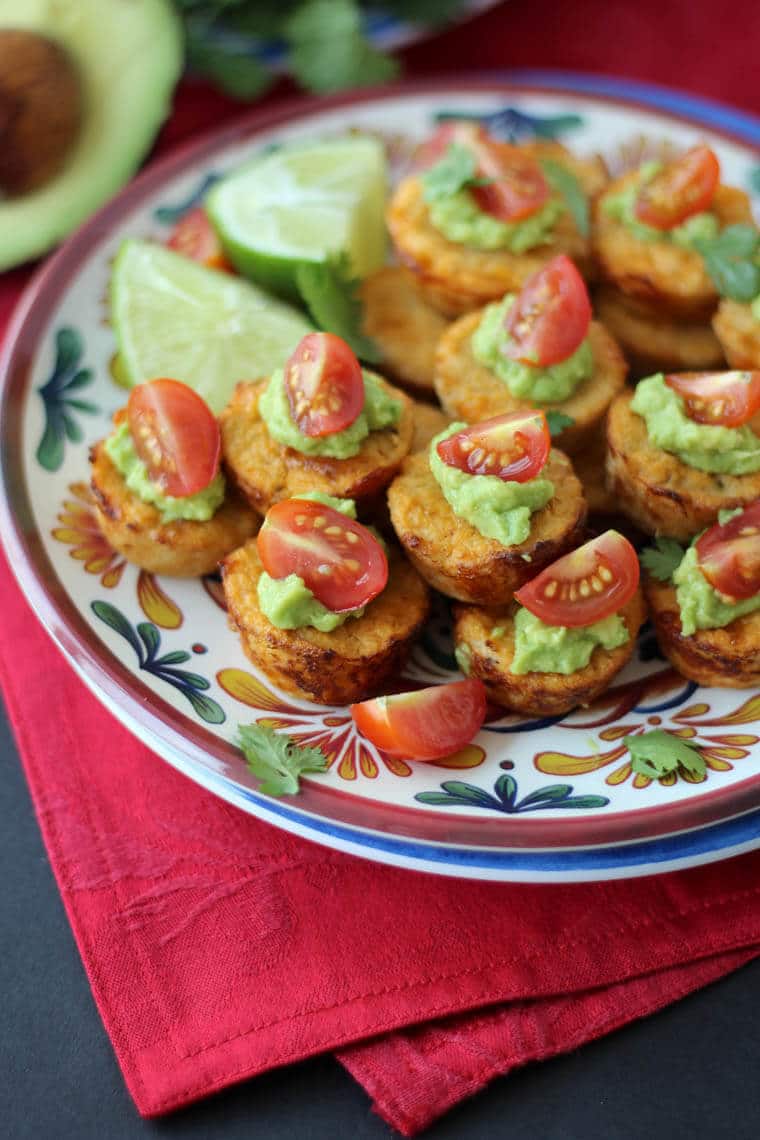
column 127, row 56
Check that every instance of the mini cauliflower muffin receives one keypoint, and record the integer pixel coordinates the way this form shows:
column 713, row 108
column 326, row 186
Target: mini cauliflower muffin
column 650, row 341
column 589, row 467
column 658, row 491
column 456, row 278
column 485, row 641
column 662, row 273
column 470, row 391
column 737, row 327
column 183, row 548
column 350, row 663
column 455, row 558
column 428, row 421
column 405, row 328
column 265, row 471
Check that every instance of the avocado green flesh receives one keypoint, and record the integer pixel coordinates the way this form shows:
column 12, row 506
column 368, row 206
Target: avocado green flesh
column 527, row 381
column 497, row 508
column 460, row 220
column 542, row 648
column 129, row 56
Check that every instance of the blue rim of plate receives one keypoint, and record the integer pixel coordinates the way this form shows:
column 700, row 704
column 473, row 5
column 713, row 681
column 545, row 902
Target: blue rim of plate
column 711, row 841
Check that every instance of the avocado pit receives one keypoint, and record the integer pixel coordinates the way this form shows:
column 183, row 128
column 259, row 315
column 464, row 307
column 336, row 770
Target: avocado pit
column 41, row 109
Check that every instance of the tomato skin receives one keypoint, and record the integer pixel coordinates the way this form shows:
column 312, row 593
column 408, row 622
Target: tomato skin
column 588, row 584
column 324, row 385
column 193, row 236
column 427, row 724
column 729, row 399
column 513, row 447
column 550, row 317
column 339, row 560
column 729, row 555
column 175, row 434
column 682, row 188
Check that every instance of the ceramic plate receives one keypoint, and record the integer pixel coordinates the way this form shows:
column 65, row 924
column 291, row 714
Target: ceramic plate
column 529, row 799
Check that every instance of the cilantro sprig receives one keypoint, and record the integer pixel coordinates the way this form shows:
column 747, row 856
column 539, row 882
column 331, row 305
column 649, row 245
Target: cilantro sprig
column 663, row 559
column 564, row 182
column 456, row 170
column 657, row 753
column 558, row 421
column 331, row 294
column 276, row 759
column 732, row 259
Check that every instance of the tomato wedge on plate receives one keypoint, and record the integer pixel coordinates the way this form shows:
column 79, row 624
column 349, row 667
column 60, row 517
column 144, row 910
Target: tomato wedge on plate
column 195, row 237
column 513, row 447
column 682, row 188
column 729, row 555
column 175, row 434
column 343, row 565
column 728, row 399
column 588, row 584
column 424, row 725
column 551, row 315
column 324, row 385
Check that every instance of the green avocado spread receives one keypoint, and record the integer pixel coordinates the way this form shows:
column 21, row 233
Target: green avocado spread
column 708, row 447
column 288, row 602
column 701, row 605
column 542, row 648
column 621, row 207
column 380, row 411
column 527, row 381
column 756, row 308
column 497, row 509
column 199, row 507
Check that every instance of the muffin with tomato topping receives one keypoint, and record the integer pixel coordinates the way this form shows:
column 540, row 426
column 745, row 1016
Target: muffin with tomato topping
column 705, row 601
column 652, row 225
column 320, row 605
column 566, row 635
column 486, row 506
column 319, row 424
column 737, row 327
column 403, row 325
column 682, row 447
column 537, row 348
column 479, row 216
column 652, row 342
column 160, row 497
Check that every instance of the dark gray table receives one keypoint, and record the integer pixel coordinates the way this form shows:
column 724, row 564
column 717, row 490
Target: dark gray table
column 691, row 1071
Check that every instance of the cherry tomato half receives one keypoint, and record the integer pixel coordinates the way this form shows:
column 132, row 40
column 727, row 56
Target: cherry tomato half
column 343, row 565
column 175, row 434
column 424, row 725
column 588, row 584
column 194, row 237
column 729, row 399
column 729, row 555
column 682, row 188
column 324, row 385
column 551, row 315
column 513, row 447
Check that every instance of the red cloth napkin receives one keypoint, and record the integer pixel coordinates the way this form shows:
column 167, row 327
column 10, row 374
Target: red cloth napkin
column 218, row 947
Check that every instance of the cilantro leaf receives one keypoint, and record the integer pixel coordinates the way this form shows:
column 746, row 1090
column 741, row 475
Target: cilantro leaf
column 656, row 753
column 662, row 559
column 228, row 62
column 569, row 188
column 331, row 295
column 276, row 759
column 731, row 261
column 328, row 50
column 558, row 421
column 456, row 170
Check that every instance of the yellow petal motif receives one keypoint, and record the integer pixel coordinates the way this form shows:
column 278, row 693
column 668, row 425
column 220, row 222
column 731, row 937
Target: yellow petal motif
column 155, row 604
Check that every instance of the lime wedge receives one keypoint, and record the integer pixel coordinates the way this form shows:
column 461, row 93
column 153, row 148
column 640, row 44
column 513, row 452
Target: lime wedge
column 304, row 204
column 173, row 317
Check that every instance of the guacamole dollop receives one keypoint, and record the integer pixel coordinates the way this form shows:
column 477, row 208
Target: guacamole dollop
column 542, row 648
column 755, row 307
column 527, row 381
column 458, row 217
column 199, row 507
column 708, row 447
column 380, row 411
column 700, row 604
column 497, row 509
column 620, row 206
column 288, row 602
